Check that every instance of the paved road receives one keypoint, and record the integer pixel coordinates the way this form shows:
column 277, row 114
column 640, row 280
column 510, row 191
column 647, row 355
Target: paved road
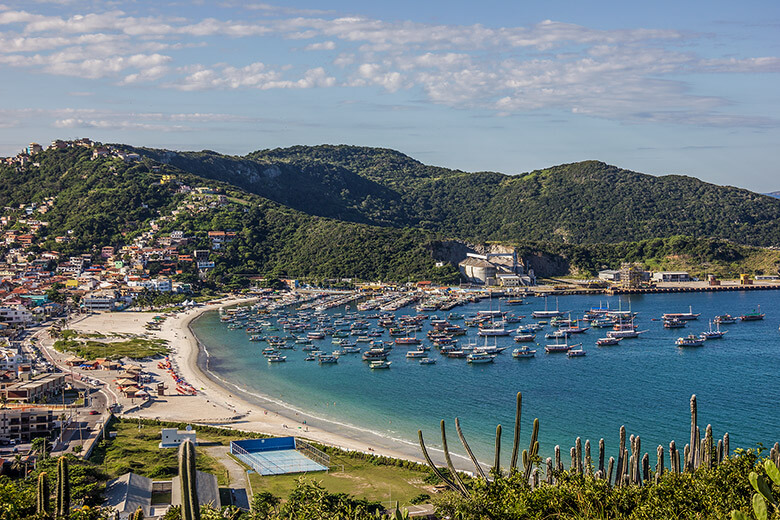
column 237, row 475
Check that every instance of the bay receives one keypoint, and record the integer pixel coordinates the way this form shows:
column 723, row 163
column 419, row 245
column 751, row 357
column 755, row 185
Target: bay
column 644, row 384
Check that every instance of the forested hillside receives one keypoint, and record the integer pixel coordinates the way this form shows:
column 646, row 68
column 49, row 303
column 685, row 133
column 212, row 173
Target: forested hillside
column 585, row 202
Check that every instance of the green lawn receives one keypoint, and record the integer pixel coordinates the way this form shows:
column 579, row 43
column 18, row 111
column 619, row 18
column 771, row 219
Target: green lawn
column 359, row 478
column 136, row 348
column 136, row 450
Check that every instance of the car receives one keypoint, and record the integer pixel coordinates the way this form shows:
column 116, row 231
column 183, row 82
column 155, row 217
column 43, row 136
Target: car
column 94, row 412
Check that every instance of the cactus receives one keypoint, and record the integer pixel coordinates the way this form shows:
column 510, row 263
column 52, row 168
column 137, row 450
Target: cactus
column 674, row 458
column 690, row 456
column 516, row 440
column 763, row 493
column 530, row 455
column 686, row 456
column 138, row 515
column 609, row 471
column 436, row 471
column 719, row 452
column 558, row 463
column 190, row 506
column 601, row 457
column 726, row 452
column 707, row 454
column 646, row 468
column 697, row 458
column 549, row 471
column 588, row 461
column 496, row 470
column 573, row 453
column 578, row 456
column 44, row 505
column 466, row 447
column 620, row 461
column 450, row 466
column 659, row 467
column 62, row 508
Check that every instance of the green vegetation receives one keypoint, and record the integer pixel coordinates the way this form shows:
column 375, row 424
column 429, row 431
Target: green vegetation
column 135, row 348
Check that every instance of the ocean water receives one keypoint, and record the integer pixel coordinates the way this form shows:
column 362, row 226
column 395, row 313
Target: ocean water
column 644, row 384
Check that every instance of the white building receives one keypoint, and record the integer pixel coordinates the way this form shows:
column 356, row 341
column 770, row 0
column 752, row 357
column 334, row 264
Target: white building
column 671, row 276
column 171, row 437
column 10, row 359
column 15, row 314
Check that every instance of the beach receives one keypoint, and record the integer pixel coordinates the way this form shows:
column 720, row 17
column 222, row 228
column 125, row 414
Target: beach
column 215, row 403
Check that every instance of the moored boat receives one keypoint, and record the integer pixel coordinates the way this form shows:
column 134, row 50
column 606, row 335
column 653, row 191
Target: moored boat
column 608, row 341
column 523, row 352
column 690, row 340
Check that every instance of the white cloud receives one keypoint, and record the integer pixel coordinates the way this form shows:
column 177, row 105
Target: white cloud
column 321, row 46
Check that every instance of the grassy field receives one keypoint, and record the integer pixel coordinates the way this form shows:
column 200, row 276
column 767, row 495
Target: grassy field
column 360, row 478
column 137, row 450
column 136, row 348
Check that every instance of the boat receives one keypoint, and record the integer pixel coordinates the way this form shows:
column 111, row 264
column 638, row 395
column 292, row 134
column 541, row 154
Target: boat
column 576, row 352
column 725, row 319
column 379, row 364
column 316, row 335
column 753, row 316
column 523, row 338
column 559, row 347
column 493, row 331
column 427, row 361
column 690, row 340
column 674, row 323
column 547, row 314
column 685, row 316
column 407, row 341
column 277, row 359
column 416, row 354
column 608, row 341
column 480, row 357
column 328, row 359
column 713, row 334
column 375, row 354
column 523, row 352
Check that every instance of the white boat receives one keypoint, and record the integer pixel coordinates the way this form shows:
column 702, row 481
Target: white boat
column 685, row 316
column 547, row 314
column 374, row 365
column 608, row 341
column 559, row 347
column 523, row 338
column 576, row 352
column 277, row 359
column 689, row 341
column 523, row 352
column 416, row 354
column 427, row 361
column 713, row 334
column 480, row 357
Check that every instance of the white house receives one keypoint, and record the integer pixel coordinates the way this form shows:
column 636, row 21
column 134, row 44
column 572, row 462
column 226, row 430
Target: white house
column 171, row 437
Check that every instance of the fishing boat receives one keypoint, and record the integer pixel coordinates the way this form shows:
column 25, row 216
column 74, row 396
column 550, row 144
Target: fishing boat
column 427, row 361
column 457, row 354
column 493, row 331
column 608, row 341
column 276, row 359
column 380, row 364
column 523, row 352
column 407, row 341
column 725, row 319
column 375, row 354
column 316, row 335
column 328, row 359
column 690, row 340
column 524, row 338
column 685, row 316
column 576, row 352
column 559, row 347
column 753, row 316
column 416, row 354
column 480, row 357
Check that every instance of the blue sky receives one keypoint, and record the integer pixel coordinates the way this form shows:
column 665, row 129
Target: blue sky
column 658, row 87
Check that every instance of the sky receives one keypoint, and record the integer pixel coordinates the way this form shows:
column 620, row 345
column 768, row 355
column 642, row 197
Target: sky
column 661, row 87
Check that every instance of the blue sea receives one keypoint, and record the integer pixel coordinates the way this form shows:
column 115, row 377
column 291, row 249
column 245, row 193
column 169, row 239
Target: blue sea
column 644, row 384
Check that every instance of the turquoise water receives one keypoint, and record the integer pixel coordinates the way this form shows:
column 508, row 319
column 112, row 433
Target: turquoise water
column 644, row 384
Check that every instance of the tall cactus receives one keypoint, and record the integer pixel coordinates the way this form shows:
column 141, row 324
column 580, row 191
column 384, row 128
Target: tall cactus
column 601, row 457
column 447, row 458
column 588, row 461
column 138, row 515
column 690, row 457
column 496, row 470
column 190, row 506
column 646, row 467
column 44, row 505
column 674, row 458
column 578, row 455
column 659, row 467
column 707, row 455
column 620, row 461
column 436, row 471
column 465, row 446
column 516, row 439
column 549, row 470
column 62, row 499
column 558, row 463
column 726, row 452
column 529, row 455
column 609, row 470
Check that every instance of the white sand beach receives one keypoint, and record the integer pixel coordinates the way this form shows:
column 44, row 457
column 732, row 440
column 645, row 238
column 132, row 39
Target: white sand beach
column 213, row 404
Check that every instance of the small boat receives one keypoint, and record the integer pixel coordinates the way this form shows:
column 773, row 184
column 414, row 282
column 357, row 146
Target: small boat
column 689, row 341
column 576, row 352
column 379, row 364
column 713, row 334
column 608, row 341
column 674, row 323
column 546, row 314
column 375, row 355
column 493, row 331
column 559, row 347
column 480, row 357
column 725, row 319
column 328, row 360
column 427, row 361
column 523, row 352
column 310, row 358
column 753, row 316
column 685, row 316
column 407, row 341
column 416, row 354
column 276, row 359
column 524, row 338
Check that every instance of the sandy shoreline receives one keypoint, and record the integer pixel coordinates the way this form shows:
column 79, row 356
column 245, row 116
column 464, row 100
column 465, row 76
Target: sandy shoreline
column 216, row 403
